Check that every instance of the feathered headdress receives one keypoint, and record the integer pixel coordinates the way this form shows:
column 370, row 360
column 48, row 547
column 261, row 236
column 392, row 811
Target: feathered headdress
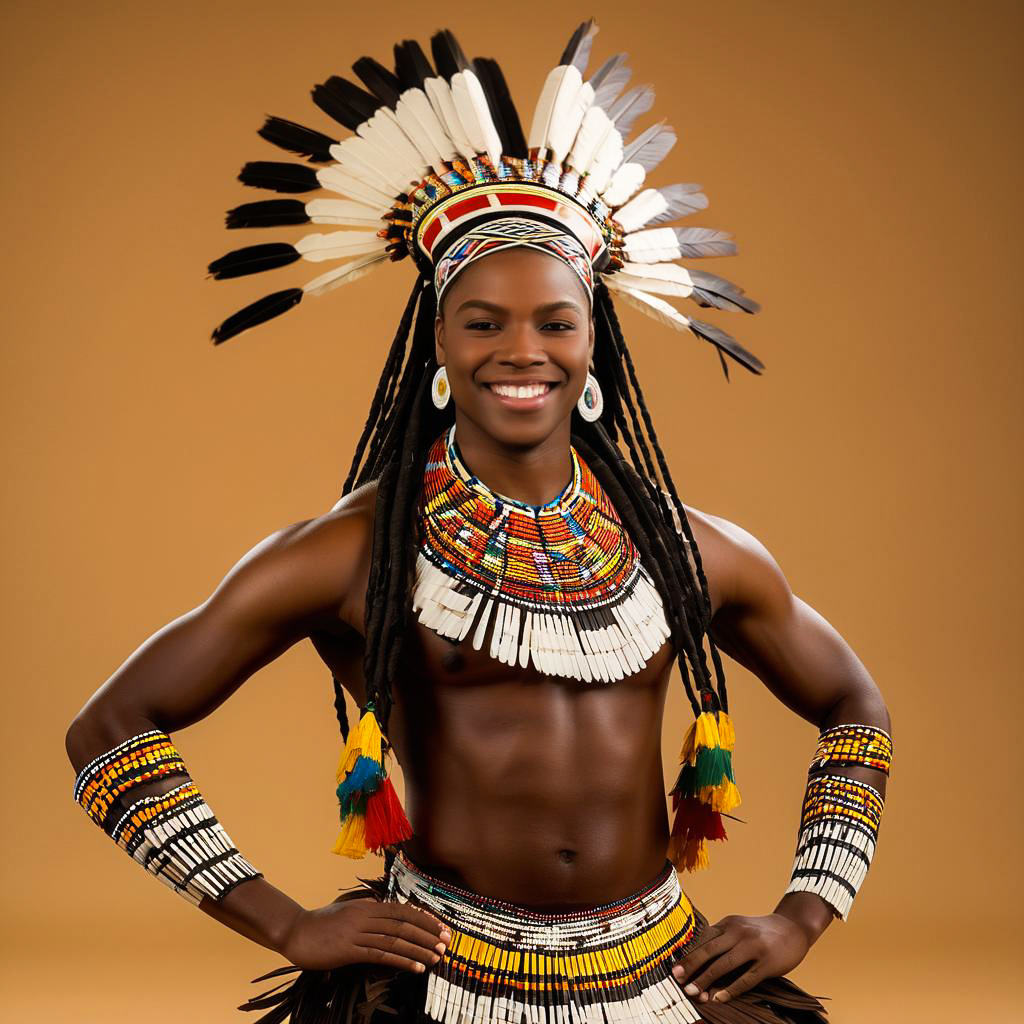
column 438, row 149
column 437, row 168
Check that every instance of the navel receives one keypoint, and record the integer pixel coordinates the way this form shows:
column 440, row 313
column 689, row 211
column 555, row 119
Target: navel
column 567, row 856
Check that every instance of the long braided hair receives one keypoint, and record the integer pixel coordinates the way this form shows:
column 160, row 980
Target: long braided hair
column 392, row 448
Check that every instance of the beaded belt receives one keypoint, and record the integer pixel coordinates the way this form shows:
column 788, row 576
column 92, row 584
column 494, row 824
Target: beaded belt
column 504, row 962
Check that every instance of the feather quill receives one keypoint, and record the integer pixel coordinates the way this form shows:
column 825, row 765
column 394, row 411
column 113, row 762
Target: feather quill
column 345, row 274
column 660, row 278
column 343, row 211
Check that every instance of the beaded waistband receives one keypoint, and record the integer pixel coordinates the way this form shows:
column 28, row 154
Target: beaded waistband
column 504, row 960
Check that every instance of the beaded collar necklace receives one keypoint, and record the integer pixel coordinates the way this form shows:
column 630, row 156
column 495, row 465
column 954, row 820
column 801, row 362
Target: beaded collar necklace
column 563, row 579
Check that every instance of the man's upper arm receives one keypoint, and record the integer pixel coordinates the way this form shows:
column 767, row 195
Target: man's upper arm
column 294, row 581
column 764, row 626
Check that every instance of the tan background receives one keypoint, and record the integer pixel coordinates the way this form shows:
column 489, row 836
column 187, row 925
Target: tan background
column 867, row 157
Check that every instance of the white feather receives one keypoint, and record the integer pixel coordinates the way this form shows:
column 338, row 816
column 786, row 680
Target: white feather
column 594, row 128
column 606, row 161
column 655, row 245
column 336, row 245
column 363, row 161
column 420, row 123
column 624, row 183
column 335, row 178
column 541, row 122
column 475, row 114
column 659, row 309
column 571, row 103
column 344, row 211
column 641, row 209
column 344, row 274
column 385, row 133
column 439, row 93
column 660, row 278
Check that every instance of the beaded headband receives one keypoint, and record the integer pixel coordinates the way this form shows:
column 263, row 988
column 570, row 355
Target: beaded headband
column 438, row 152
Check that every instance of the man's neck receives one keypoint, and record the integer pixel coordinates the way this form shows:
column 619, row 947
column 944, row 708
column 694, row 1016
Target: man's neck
column 534, row 475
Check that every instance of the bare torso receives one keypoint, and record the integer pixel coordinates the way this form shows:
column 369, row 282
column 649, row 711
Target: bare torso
column 532, row 789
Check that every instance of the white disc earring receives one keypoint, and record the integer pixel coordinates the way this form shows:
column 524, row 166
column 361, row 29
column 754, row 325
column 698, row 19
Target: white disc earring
column 440, row 392
column 591, row 402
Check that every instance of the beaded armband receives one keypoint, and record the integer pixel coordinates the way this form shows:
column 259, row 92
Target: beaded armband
column 841, row 816
column 853, row 744
column 174, row 835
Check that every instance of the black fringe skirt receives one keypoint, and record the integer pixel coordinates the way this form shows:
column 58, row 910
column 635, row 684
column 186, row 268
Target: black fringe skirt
column 372, row 994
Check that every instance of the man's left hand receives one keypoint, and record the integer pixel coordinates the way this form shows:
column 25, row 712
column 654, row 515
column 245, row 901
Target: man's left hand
column 757, row 947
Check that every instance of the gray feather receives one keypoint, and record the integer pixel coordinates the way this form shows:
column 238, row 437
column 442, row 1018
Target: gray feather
column 630, row 106
column 650, row 147
column 681, row 199
column 712, row 290
column 728, row 344
column 697, row 242
column 609, row 80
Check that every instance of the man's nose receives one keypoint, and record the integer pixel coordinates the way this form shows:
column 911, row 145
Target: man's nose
column 521, row 347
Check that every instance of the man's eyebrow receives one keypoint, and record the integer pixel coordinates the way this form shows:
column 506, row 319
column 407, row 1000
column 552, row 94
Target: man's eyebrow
column 493, row 307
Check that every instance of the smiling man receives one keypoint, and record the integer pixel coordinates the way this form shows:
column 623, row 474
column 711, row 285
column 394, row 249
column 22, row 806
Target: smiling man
column 503, row 591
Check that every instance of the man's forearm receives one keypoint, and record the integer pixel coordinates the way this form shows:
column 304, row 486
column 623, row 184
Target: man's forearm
column 840, row 815
column 140, row 793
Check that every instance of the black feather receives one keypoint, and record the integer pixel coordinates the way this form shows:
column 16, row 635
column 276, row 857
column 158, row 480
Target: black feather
column 253, row 259
column 712, row 290
column 257, row 313
column 279, row 177
column 384, row 84
column 503, row 110
column 449, row 58
column 728, row 344
column 267, row 213
column 298, row 139
column 578, row 47
column 411, row 65
column 346, row 103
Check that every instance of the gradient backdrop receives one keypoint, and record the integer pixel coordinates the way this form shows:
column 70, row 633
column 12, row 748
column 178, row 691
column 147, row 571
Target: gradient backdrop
column 866, row 156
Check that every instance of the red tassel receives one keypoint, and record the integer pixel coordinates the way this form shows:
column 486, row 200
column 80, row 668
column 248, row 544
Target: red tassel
column 695, row 819
column 386, row 822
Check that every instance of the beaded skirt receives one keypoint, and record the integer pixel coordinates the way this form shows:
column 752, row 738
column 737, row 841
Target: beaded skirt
column 610, row 964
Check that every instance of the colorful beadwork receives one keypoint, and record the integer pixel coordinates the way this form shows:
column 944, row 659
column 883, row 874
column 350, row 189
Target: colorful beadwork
column 564, row 579
column 173, row 835
column 504, row 963
column 853, row 744
column 838, row 831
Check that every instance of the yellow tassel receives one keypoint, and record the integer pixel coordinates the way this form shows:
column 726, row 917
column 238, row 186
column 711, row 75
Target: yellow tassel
column 723, row 797
column 703, row 732
column 351, row 842
column 726, row 731
column 688, row 855
column 363, row 741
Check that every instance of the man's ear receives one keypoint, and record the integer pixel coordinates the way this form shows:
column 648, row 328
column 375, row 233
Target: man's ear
column 439, row 340
column 590, row 346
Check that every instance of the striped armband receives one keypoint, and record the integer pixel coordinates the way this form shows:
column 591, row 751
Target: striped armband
column 174, row 835
column 841, row 816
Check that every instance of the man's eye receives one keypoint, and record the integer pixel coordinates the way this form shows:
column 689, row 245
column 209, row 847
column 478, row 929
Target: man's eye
column 481, row 325
column 559, row 325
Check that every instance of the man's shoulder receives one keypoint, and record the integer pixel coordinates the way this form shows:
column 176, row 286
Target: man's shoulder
column 738, row 566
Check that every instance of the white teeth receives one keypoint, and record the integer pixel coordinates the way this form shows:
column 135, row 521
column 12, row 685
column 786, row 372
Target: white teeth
column 522, row 391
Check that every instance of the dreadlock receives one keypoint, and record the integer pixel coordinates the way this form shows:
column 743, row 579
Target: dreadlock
column 403, row 423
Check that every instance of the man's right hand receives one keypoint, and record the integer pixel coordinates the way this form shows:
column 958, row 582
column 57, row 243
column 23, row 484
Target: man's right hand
column 365, row 931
